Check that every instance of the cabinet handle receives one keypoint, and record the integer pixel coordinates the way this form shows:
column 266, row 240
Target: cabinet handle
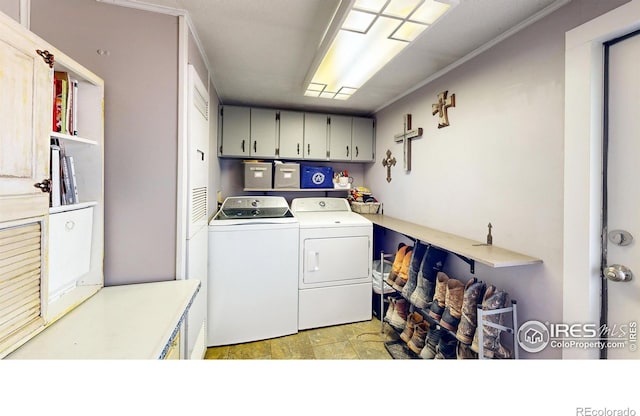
column 201, row 153
column 347, row 151
column 242, row 145
column 255, row 146
column 44, row 186
column 308, row 149
column 357, row 151
column 69, row 225
column 298, row 149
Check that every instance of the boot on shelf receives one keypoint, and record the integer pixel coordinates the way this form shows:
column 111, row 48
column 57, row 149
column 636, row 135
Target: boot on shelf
column 431, row 342
column 417, row 255
column 399, row 317
column 401, row 279
column 432, row 263
column 438, row 304
column 412, row 320
column 446, row 347
column 493, row 299
column 469, row 318
column 453, row 304
column 464, row 352
column 397, row 263
column 417, row 341
column 390, row 309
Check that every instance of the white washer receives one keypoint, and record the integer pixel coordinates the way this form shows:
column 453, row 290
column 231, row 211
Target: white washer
column 253, row 271
column 335, row 263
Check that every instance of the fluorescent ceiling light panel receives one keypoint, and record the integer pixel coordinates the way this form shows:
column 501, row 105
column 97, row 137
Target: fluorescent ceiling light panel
column 372, row 33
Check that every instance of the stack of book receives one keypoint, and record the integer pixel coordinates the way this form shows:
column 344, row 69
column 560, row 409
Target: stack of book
column 64, row 187
column 65, row 95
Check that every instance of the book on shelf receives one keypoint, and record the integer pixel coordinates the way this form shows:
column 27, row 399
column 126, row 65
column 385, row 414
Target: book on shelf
column 64, row 103
column 55, row 174
column 73, row 183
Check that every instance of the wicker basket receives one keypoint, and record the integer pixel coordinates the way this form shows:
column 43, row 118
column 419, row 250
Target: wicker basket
column 365, row 207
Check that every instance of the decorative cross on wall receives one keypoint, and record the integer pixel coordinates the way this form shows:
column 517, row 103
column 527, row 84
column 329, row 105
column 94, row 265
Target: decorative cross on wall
column 441, row 108
column 405, row 137
column 387, row 163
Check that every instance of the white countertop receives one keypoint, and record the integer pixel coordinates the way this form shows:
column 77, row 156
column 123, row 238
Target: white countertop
column 135, row 321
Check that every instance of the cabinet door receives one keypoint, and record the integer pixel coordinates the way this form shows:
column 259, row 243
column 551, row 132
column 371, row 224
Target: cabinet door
column 25, row 117
column 291, row 134
column 362, row 139
column 235, row 133
column 315, row 136
column 263, row 133
column 339, row 138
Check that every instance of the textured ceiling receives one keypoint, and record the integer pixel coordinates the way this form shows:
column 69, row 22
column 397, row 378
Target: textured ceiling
column 260, row 51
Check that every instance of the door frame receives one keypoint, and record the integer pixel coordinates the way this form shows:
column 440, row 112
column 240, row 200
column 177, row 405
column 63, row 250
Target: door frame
column 583, row 135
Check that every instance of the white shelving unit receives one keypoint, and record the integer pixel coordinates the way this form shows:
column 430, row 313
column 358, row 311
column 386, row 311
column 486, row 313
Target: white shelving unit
column 76, row 237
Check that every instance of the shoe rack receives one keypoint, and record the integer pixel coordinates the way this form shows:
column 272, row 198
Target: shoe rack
column 398, row 349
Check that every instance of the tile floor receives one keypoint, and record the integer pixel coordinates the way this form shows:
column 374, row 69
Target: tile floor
column 357, row 341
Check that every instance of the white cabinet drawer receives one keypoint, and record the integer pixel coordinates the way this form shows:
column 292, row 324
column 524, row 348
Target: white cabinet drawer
column 69, row 249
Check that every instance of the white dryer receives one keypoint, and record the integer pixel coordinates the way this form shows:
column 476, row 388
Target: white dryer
column 334, row 278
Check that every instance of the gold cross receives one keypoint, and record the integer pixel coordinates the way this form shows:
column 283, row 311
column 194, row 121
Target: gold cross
column 441, row 108
column 387, row 163
column 405, row 137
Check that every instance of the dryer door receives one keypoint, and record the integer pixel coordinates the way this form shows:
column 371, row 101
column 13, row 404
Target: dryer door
column 335, row 260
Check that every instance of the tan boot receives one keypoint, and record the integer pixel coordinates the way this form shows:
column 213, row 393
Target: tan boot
column 437, row 306
column 397, row 263
column 403, row 275
column 412, row 320
column 453, row 304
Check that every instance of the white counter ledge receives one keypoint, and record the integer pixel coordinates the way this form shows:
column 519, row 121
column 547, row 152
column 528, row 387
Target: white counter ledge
column 137, row 321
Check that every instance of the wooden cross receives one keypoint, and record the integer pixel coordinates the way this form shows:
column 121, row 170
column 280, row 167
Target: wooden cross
column 387, row 163
column 441, row 108
column 405, row 137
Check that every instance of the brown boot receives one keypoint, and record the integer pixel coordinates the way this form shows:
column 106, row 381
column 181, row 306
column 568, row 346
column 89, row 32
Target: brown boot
column 416, row 343
column 397, row 263
column 493, row 299
column 413, row 319
column 437, row 306
column 399, row 318
column 403, row 275
column 453, row 304
column 473, row 295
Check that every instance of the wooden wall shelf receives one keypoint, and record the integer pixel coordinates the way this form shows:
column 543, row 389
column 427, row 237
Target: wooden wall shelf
column 473, row 251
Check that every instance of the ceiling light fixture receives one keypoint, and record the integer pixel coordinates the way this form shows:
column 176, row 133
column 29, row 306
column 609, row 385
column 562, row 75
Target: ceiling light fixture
column 365, row 36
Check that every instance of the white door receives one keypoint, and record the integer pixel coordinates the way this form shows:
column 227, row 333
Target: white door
column 622, row 205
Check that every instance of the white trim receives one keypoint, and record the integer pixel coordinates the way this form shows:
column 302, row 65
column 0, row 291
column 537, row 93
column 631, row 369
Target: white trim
column 542, row 13
column 583, row 164
column 182, row 187
column 25, row 13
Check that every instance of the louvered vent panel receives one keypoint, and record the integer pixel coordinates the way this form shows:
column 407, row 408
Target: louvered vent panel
column 20, row 270
column 201, row 103
column 198, row 204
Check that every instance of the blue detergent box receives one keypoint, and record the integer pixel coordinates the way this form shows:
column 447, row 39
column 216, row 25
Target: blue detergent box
column 316, row 177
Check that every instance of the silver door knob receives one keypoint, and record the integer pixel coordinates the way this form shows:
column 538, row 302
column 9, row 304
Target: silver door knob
column 618, row 273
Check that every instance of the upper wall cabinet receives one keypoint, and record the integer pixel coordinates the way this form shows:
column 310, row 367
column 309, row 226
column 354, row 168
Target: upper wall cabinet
column 362, row 139
column 278, row 134
column 315, row 136
column 340, row 138
column 247, row 132
column 291, row 135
